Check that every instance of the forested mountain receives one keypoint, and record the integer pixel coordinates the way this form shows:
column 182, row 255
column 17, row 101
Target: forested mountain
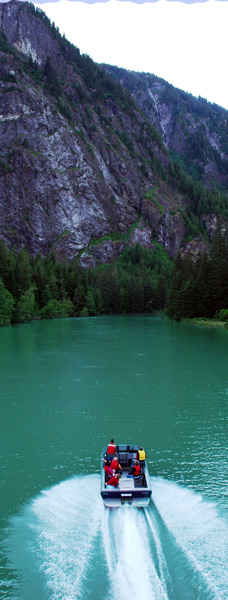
column 200, row 288
column 82, row 169
column 96, row 197
column 79, row 162
column 194, row 130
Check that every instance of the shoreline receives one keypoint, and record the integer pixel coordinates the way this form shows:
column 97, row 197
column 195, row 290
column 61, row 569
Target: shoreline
column 212, row 324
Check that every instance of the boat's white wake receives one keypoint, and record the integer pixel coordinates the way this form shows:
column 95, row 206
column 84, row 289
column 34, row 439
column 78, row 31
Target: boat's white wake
column 131, row 568
column 68, row 546
column 199, row 529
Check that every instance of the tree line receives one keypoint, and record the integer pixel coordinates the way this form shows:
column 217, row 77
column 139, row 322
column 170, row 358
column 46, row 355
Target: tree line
column 45, row 287
column 200, row 288
column 141, row 280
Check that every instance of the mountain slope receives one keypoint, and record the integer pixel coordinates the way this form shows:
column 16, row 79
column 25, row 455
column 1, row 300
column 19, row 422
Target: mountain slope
column 194, row 130
column 82, row 170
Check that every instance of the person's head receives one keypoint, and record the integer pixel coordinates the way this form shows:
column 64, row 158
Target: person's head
column 118, row 475
column 136, row 462
column 115, row 458
column 140, row 447
column 112, row 441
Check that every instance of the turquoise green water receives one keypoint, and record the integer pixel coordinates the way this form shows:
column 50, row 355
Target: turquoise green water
column 66, row 388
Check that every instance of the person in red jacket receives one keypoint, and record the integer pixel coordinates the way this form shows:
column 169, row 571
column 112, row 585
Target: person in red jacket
column 135, row 471
column 113, row 482
column 111, row 448
column 115, row 465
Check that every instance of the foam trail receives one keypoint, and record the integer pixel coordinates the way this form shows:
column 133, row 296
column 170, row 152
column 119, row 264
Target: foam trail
column 67, row 546
column 200, row 531
column 54, row 541
column 128, row 554
column 154, row 536
column 66, row 534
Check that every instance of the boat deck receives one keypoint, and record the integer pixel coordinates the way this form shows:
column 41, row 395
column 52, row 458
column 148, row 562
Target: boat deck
column 126, row 484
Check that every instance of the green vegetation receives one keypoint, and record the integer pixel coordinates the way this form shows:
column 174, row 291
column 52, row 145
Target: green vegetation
column 222, row 315
column 6, row 305
column 201, row 201
column 150, row 195
column 47, row 288
column 198, row 148
column 91, row 85
column 4, row 44
column 200, row 288
column 139, row 281
column 95, row 90
column 100, row 84
column 186, row 109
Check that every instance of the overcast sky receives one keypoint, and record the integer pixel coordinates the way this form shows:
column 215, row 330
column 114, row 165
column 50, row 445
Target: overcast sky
column 184, row 43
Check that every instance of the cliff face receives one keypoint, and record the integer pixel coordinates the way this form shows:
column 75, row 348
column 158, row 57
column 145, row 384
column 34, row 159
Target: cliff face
column 81, row 169
column 194, row 130
column 26, row 34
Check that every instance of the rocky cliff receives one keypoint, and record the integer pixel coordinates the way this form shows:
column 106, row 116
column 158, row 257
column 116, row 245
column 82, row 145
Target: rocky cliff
column 82, row 169
column 193, row 130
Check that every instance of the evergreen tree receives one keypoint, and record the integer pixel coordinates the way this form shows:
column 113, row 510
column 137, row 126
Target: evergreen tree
column 6, row 305
column 57, row 309
column 99, row 301
column 52, row 81
column 160, row 293
column 218, row 280
column 23, row 273
column 79, row 297
column 202, row 289
column 7, row 267
column 26, row 307
column 51, row 285
column 124, row 301
column 174, row 297
column 113, row 289
column 40, row 279
column 136, row 295
column 90, row 303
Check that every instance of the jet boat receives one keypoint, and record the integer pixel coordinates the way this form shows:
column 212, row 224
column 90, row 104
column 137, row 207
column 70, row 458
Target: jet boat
column 136, row 492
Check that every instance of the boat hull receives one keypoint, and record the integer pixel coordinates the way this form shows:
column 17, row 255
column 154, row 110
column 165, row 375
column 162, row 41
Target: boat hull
column 117, row 498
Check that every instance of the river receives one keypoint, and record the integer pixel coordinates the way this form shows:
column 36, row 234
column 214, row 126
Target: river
column 67, row 387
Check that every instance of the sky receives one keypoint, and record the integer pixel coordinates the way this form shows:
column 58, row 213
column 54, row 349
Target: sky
column 185, row 43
